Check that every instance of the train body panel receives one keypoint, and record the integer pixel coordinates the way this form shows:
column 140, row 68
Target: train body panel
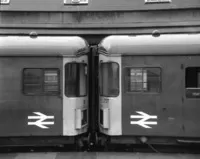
column 110, row 105
column 17, row 104
column 34, row 83
column 148, row 87
column 191, row 96
column 75, row 109
column 163, row 100
column 159, row 85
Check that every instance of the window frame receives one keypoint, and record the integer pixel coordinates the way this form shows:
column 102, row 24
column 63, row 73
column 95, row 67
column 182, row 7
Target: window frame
column 141, row 92
column 43, row 93
column 86, row 81
column 86, row 122
column 100, row 75
column 190, row 88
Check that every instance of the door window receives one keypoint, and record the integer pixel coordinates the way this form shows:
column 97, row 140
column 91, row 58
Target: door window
column 75, row 79
column 109, row 79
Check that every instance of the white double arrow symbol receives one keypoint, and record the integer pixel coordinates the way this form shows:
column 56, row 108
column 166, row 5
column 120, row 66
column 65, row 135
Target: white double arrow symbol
column 41, row 120
column 144, row 117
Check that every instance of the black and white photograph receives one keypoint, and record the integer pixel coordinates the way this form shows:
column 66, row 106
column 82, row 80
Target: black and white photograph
column 99, row 79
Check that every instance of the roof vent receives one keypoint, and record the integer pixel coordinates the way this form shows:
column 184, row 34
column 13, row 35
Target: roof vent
column 156, row 33
column 33, row 34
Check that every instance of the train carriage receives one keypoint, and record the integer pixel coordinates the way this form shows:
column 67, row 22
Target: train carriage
column 150, row 88
column 43, row 88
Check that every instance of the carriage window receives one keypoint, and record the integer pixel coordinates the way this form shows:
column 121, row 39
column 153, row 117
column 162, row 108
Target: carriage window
column 51, row 81
column 109, row 79
column 75, row 79
column 192, row 82
column 40, row 81
column 143, row 79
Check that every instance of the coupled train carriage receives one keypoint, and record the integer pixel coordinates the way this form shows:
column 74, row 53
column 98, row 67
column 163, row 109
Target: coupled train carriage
column 43, row 89
column 148, row 89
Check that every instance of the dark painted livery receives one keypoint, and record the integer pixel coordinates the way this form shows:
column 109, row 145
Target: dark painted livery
column 33, row 102
column 16, row 106
column 170, row 94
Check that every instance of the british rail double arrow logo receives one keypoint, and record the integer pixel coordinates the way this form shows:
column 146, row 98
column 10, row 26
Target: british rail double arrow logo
column 41, row 120
column 143, row 119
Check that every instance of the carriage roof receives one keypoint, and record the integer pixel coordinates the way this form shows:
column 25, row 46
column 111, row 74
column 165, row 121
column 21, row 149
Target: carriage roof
column 166, row 44
column 42, row 46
